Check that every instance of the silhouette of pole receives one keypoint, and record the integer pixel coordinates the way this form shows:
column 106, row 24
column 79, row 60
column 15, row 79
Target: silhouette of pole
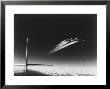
column 26, row 53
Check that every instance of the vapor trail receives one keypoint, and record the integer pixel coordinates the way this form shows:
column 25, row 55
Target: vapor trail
column 64, row 44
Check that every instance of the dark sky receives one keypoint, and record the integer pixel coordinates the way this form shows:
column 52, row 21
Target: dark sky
column 45, row 31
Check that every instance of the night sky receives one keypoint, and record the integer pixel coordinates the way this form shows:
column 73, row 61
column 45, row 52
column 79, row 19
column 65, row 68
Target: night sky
column 45, row 31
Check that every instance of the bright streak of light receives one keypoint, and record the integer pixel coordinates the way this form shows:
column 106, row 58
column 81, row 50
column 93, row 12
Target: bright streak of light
column 64, row 44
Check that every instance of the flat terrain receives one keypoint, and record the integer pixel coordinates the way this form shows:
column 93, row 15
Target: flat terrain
column 30, row 73
column 42, row 70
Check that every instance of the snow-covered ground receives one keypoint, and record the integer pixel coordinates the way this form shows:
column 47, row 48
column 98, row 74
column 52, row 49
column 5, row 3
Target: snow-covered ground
column 60, row 70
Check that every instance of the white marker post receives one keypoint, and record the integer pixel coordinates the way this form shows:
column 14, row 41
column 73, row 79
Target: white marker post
column 26, row 54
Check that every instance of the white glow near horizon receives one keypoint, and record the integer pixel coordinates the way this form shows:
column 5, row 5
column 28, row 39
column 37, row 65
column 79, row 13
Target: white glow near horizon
column 100, row 10
column 71, row 70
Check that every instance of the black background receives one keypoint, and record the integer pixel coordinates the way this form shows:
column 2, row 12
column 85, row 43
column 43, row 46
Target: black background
column 47, row 30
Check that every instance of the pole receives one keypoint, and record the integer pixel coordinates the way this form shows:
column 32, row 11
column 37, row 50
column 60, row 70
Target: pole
column 26, row 53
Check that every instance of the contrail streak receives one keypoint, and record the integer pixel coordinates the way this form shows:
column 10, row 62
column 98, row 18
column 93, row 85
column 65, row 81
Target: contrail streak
column 64, row 44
